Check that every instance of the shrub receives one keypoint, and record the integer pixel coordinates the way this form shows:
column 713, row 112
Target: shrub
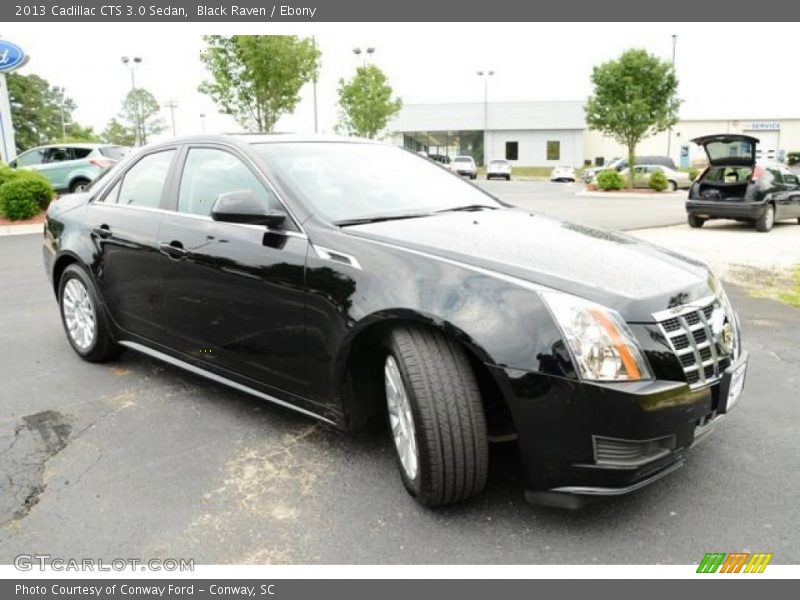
column 658, row 181
column 24, row 196
column 7, row 174
column 692, row 172
column 609, row 180
column 37, row 186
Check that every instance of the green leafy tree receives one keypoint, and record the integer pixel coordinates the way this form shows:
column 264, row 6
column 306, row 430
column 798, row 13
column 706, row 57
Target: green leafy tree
column 36, row 110
column 116, row 133
column 257, row 78
column 140, row 112
column 634, row 97
column 366, row 103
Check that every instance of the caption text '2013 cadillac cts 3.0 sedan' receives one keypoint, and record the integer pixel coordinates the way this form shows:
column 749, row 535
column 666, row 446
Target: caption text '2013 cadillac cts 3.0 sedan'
column 348, row 279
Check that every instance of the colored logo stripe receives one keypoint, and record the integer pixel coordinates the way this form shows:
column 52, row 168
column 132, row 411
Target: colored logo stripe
column 734, row 562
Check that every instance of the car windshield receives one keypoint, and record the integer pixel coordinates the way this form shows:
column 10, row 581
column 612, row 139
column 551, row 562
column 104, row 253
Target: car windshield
column 462, row 159
column 499, row 163
column 344, row 181
column 113, row 152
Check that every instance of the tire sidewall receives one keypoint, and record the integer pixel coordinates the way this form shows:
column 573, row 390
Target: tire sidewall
column 413, row 486
column 74, row 272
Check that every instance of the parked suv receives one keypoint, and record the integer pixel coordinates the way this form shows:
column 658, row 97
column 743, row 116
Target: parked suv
column 620, row 164
column 69, row 167
column 735, row 186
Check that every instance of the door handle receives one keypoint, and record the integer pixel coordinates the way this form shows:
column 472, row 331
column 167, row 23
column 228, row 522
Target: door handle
column 173, row 249
column 102, row 231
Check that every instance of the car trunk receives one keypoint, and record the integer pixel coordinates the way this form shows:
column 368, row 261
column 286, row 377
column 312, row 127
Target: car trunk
column 731, row 159
column 730, row 183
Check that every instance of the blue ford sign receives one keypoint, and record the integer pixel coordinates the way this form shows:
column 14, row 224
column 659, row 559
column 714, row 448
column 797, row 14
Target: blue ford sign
column 11, row 57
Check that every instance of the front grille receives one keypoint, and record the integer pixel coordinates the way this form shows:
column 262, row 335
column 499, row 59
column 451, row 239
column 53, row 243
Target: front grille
column 630, row 453
column 689, row 334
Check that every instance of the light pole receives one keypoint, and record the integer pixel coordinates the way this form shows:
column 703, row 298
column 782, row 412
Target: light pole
column 202, row 122
column 485, row 76
column 171, row 105
column 316, row 123
column 669, row 132
column 369, row 51
column 63, row 92
column 132, row 64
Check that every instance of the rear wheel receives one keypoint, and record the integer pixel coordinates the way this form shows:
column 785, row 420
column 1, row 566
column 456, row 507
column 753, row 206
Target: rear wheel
column 81, row 314
column 767, row 220
column 79, row 185
column 673, row 186
column 695, row 222
column 436, row 416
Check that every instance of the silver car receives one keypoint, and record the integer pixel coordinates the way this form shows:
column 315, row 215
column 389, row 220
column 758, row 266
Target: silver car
column 676, row 180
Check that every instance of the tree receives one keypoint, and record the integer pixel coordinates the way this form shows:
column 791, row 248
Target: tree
column 366, row 103
column 36, row 110
column 257, row 78
column 634, row 97
column 140, row 112
column 116, row 133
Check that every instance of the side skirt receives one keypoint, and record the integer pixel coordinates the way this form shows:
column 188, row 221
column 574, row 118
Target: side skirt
column 220, row 379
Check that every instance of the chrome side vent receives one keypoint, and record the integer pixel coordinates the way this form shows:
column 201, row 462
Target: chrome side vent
column 337, row 257
column 630, row 453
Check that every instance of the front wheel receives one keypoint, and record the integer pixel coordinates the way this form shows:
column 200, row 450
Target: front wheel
column 695, row 222
column 436, row 416
column 765, row 222
column 81, row 314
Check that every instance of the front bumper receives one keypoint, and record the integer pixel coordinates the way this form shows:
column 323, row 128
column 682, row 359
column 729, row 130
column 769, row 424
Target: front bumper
column 582, row 439
column 731, row 209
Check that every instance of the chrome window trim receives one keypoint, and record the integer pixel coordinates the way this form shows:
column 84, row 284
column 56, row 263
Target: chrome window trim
column 325, row 254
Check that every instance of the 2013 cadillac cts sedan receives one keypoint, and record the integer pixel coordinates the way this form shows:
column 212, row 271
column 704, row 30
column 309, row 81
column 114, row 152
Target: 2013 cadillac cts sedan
column 347, row 279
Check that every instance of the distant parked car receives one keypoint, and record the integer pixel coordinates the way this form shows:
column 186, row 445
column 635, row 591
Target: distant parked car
column 499, row 168
column 622, row 163
column 563, row 173
column 676, row 180
column 464, row 165
column 69, row 167
column 735, row 186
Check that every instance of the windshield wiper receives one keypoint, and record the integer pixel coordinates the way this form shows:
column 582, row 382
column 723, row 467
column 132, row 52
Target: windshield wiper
column 467, row 208
column 379, row 218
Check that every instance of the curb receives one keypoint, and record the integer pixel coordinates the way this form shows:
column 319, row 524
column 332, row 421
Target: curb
column 21, row 229
column 587, row 194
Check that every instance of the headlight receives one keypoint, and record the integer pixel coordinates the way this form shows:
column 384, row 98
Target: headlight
column 733, row 318
column 601, row 344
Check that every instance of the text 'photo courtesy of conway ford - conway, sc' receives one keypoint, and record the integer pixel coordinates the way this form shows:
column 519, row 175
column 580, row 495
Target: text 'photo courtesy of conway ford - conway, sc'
column 348, row 279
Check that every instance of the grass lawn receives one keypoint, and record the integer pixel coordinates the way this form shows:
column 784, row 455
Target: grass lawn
column 533, row 172
column 790, row 292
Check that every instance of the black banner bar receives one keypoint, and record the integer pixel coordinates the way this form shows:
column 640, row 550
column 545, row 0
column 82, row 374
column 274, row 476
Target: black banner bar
column 259, row 11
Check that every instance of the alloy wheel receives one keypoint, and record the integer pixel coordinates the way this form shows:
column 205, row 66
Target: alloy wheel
column 79, row 314
column 401, row 418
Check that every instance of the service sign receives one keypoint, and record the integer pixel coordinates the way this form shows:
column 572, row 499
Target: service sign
column 11, row 57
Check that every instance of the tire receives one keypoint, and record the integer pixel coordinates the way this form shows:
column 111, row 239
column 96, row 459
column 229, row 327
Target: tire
column 765, row 222
column 508, row 178
column 673, row 186
column 443, row 406
column 78, row 185
column 695, row 222
column 473, row 176
column 84, row 321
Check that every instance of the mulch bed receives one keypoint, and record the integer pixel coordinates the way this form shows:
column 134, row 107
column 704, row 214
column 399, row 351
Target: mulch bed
column 32, row 221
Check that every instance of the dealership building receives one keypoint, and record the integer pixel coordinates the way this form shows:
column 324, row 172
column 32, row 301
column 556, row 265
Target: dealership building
column 555, row 133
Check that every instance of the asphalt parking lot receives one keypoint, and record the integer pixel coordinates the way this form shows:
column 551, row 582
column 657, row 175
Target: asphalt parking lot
column 138, row 459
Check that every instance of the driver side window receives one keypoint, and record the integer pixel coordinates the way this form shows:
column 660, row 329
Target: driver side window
column 209, row 172
column 30, row 158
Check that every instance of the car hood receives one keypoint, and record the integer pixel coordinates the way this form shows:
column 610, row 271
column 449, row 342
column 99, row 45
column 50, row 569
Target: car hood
column 616, row 270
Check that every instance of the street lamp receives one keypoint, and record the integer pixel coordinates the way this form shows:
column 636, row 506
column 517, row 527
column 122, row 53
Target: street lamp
column 202, row 122
column 669, row 132
column 485, row 76
column 132, row 63
column 171, row 105
column 368, row 51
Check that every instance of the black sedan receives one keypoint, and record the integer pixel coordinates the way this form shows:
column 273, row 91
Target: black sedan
column 347, row 279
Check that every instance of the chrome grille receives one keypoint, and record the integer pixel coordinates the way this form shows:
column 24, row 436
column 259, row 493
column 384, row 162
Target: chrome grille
column 689, row 333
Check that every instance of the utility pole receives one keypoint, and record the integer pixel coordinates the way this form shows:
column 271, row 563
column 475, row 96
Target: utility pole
column 132, row 64
column 316, row 121
column 63, row 92
column 485, row 76
column 669, row 132
column 171, row 105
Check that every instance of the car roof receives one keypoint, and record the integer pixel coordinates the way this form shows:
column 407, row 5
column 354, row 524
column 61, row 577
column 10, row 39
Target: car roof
column 89, row 145
column 246, row 139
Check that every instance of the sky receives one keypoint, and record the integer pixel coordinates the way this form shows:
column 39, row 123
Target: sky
column 425, row 63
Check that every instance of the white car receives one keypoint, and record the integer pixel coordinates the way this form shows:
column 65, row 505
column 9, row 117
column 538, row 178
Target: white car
column 464, row 165
column 499, row 168
column 563, row 173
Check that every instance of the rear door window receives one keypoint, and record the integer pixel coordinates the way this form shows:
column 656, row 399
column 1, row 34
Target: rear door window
column 30, row 158
column 143, row 184
column 113, row 152
column 78, row 153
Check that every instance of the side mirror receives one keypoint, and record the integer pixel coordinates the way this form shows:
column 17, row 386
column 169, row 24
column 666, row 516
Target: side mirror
column 243, row 207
